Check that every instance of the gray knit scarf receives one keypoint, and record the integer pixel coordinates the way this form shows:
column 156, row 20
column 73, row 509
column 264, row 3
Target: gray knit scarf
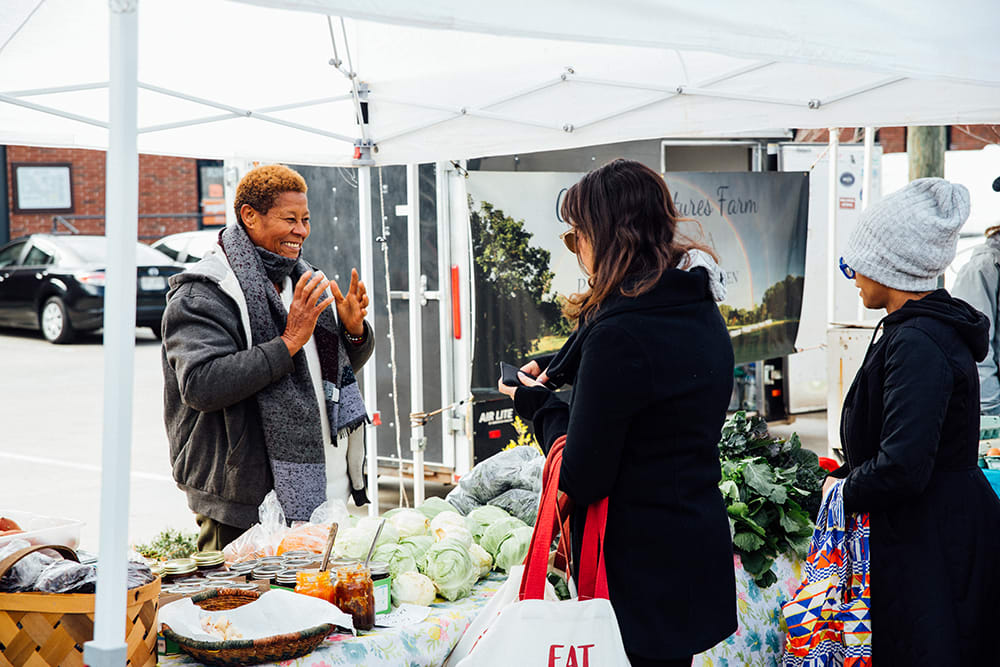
column 289, row 412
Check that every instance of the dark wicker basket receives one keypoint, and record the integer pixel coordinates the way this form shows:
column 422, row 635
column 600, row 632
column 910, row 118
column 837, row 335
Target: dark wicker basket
column 246, row 651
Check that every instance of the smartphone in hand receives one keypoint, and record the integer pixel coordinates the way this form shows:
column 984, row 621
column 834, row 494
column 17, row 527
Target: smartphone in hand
column 508, row 374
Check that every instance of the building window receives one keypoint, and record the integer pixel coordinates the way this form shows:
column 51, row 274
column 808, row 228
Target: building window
column 43, row 187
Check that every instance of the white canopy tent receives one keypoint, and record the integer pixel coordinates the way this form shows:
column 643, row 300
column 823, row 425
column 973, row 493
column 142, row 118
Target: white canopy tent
column 442, row 80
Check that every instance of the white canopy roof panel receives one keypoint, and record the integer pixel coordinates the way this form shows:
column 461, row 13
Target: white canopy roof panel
column 453, row 79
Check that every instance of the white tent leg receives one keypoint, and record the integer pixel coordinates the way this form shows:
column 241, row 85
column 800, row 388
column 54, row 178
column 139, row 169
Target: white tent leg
column 417, row 440
column 371, row 368
column 831, row 227
column 122, row 199
column 446, row 333
column 866, row 188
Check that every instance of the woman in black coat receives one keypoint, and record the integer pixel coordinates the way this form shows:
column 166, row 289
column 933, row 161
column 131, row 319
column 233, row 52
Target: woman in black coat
column 651, row 366
column 910, row 434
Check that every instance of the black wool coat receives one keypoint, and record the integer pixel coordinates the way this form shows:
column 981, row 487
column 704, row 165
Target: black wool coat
column 910, row 433
column 652, row 378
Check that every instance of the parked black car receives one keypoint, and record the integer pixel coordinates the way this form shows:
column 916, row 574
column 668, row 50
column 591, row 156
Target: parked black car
column 55, row 282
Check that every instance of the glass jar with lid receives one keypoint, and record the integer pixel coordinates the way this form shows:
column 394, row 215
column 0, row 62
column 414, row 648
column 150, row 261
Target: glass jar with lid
column 355, row 595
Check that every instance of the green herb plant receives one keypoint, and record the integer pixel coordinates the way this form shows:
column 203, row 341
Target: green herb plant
column 169, row 544
column 772, row 489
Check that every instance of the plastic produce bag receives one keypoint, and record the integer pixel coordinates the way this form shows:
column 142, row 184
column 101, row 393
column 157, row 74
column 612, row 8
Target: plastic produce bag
column 504, row 470
column 331, row 512
column 23, row 575
column 261, row 539
column 139, row 574
column 66, row 576
column 520, row 503
column 305, row 537
column 462, row 501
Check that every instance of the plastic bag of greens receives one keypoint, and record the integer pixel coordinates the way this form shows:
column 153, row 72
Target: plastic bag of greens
column 434, row 506
column 23, row 575
column 502, row 471
column 520, row 503
column 449, row 565
column 497, row 533
column 514, row 548
column 462, row 501
column 479, row 519
column 66, row 576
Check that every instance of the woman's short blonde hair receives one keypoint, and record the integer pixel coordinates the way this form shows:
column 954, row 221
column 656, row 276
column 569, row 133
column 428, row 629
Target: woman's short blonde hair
column 262, row 186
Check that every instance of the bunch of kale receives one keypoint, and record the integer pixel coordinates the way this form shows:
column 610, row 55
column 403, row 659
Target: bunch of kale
column 772, row 489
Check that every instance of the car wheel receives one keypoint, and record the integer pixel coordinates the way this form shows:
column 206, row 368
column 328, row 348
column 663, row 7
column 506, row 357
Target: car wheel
column 54, row 320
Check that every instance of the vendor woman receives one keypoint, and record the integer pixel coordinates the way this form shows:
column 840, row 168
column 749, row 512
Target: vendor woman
column 259, row 372
column 910, row 433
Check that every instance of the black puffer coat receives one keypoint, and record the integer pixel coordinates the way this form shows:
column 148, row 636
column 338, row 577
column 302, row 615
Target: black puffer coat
column 910, row 432
column 652, row 376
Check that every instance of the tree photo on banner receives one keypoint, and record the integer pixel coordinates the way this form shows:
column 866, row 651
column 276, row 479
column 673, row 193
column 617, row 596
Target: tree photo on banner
column 756, row 222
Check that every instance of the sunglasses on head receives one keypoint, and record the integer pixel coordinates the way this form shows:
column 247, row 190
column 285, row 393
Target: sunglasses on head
column 848, row 272
column 569, row 240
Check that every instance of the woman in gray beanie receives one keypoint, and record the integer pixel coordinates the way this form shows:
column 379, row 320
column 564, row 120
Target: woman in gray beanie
column 910, row 434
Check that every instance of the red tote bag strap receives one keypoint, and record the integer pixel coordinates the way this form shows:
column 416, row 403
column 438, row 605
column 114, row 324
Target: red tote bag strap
column 592, row 580
column 536, row 563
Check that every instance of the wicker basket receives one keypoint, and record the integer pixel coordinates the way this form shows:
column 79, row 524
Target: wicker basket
column 39, row 629
column 246, row 651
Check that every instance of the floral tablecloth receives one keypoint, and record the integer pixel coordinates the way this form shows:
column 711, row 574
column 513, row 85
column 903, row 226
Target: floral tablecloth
column 760, row 639
column 425, row 644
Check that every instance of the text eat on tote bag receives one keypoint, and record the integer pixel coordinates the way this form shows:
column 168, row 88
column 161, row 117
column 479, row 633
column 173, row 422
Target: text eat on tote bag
column 519, row 627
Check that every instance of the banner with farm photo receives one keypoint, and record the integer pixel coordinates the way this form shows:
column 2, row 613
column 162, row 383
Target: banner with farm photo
column 756, row 222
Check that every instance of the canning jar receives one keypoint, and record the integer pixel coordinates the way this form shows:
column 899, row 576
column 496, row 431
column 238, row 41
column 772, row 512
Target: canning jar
column 354, row 595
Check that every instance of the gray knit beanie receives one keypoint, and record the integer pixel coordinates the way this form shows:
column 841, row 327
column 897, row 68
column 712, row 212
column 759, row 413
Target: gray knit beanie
column 907, row 239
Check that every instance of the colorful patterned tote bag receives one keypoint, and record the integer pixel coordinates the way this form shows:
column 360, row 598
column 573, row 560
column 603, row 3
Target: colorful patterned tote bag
column 829, row 619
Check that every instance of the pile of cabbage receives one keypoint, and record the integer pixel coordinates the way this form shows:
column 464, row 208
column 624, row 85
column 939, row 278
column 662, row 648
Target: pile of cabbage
column 433, row 550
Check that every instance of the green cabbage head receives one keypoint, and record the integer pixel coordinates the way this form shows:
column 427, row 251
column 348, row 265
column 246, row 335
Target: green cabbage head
column 497, row 533
column 399, row 558
column 448, row 564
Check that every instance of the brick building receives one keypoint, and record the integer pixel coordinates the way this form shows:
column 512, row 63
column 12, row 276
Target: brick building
column 172, row 193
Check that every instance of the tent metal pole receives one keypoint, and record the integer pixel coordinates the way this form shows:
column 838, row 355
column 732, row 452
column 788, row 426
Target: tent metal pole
column 108, row 648
column 862, row 90
column 51, row 111
column 417, row 439
column 252, row 113
column 99, row 85
column 445, row 333
column 831, row 225
column 866, row 188
column 370, row 372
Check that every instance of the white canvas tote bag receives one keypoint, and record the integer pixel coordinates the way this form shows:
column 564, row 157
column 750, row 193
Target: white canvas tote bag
column 519, row 627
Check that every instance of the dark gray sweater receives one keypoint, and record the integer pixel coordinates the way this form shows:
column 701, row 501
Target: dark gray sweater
column 211, row 378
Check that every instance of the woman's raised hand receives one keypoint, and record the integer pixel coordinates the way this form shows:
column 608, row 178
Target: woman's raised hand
column 353, row 306
column 305, row 309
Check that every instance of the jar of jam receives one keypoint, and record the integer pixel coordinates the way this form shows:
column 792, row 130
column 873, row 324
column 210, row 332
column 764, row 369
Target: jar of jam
column 354, row 595
column 315, row 584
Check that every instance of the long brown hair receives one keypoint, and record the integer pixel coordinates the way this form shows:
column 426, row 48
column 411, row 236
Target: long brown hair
column 625, row 212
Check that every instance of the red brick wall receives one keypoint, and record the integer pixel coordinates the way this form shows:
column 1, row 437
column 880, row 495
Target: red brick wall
column 166, row 185
column 893, row 139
